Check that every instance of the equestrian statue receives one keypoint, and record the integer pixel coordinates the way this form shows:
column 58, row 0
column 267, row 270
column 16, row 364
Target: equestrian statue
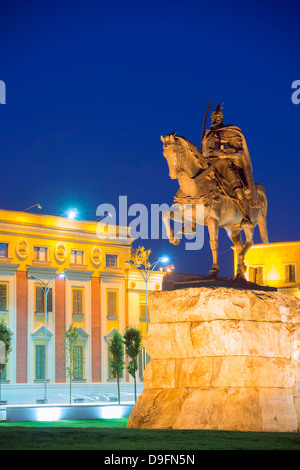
column 219, row 177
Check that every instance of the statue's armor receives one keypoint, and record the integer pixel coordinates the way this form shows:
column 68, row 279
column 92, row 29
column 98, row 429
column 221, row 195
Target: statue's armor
column 236, row 170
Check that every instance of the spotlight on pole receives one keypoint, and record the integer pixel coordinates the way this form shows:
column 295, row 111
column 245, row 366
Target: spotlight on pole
column 70, row 213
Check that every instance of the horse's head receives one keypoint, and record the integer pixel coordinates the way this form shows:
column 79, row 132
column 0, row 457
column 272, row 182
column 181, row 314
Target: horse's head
column 172, row 154
column 180, row 154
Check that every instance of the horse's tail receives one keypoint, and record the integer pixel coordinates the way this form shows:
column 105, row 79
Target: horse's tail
column 262, row 219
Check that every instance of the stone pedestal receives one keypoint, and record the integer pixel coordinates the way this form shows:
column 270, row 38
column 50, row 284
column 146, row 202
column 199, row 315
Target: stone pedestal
column 221, row 358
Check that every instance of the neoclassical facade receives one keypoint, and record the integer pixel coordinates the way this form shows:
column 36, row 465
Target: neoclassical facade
column 91, row 288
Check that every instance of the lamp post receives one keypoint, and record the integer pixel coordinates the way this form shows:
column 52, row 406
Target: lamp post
column 108, row 214
column 168, row 268
column 71, row 214
column 46, row 288
column 35, row 205
column 146, row 274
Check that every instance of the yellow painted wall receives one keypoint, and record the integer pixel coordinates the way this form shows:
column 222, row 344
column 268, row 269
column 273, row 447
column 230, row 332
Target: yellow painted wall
column 49, row 231
column 273, row 257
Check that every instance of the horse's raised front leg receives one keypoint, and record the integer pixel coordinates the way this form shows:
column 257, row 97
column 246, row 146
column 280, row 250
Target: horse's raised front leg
column 213, row 229
column 166, row 216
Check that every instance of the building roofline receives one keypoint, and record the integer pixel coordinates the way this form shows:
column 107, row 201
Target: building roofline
column 265, row 245
column 69, row 221
column 58, row 223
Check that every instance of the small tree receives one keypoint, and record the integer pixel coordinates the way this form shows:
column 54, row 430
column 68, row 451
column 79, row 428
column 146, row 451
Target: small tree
column 140, row 257
column 133, row 345
column 6, row 338
column 117, row 357
column 70, row 338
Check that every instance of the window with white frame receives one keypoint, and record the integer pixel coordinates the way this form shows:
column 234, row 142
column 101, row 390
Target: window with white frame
column 111, row 261
column 3, row 250
column 39, row 361
column 40, row 253
column 40, row 300
column 77, row 257
column 3, row 297
column 78, row 301
column 112, row 303
column 78, row 362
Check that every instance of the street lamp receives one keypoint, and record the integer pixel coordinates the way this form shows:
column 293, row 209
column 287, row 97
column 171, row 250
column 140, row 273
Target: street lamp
column 146, row 274
column 45, row 288
column 108, row 214
column 71, row 214
column 167, row 269
column 38, row 206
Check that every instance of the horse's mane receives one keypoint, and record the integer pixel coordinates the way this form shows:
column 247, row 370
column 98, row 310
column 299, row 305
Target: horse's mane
column 189, row 147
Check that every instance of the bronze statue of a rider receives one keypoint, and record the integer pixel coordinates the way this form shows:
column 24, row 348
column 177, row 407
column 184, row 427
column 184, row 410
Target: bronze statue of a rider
column 225, row 147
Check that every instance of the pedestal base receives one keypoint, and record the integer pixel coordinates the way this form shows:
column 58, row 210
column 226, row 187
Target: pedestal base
column 221, row 359
column 230, row 408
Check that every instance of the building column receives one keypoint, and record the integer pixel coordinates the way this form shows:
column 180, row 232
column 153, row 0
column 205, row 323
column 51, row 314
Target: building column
column 22, row 326
column 60, row 327
column 96, row 329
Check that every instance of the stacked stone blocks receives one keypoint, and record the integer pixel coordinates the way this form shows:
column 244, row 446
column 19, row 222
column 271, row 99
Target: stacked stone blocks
column 221, row 359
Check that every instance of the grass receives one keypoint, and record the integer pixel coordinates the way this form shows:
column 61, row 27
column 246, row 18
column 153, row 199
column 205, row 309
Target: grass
column 113, row 435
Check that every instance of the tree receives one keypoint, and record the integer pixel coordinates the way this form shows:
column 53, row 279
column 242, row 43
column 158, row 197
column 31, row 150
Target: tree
column 70, row 337
column 6, row 338
column 133, row 344
column 140, row 257
column 117, row 357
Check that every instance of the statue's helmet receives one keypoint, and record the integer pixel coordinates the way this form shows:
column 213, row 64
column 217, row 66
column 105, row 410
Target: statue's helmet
column 217, row 113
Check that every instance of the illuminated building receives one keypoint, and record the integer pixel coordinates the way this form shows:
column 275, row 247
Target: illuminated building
column 98, row 294
column 274, row 264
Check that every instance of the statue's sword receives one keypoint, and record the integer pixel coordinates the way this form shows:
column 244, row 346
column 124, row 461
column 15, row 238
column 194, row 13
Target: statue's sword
column 204, row 124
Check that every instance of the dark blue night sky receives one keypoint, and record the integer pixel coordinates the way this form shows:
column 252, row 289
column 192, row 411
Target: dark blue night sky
column 91, row 86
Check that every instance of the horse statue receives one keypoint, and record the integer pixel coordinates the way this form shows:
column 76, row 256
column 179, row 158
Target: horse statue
column 198, row 185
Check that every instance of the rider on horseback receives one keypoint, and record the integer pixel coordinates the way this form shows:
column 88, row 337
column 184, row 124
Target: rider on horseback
column 225, row 146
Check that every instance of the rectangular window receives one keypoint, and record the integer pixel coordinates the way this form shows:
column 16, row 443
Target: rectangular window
column 76, row 257
column 290, row 272
column 112, row 304
column 40, row 300
column 4, row 297
column 40, row 361
column 40, row 253
column 3, row 250
column 142, row 307
column 77, row 300
column 78, row 362
column 111, row 261
column 256, row 274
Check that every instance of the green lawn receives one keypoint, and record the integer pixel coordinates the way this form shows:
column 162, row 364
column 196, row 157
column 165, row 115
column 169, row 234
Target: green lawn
column 113, row 435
